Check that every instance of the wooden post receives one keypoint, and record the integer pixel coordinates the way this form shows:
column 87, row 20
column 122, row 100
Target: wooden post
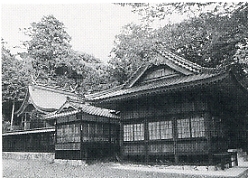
column 121, row 139
column 81, row 133
column 12, row 116
column 208, row 128
column 175, row 140
column 146, row 141
column 55, row 136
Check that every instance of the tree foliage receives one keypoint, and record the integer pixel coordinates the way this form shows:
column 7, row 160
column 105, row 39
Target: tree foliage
column 150, row 11
column 132, row 48
column 55, row 62
column 15, row 76
column 49, row 43
column 51, row 61
column 209, row 39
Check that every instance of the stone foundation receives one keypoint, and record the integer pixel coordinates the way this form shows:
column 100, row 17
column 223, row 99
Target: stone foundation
column 29, row 156
column 50, row 157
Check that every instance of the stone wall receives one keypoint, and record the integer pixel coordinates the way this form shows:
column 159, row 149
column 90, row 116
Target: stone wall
column 29, row 156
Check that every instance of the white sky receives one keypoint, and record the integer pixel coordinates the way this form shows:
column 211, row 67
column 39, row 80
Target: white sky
column 92, row 26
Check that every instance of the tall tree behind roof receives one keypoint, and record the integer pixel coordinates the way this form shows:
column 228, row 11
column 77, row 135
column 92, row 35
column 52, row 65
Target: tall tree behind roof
column 54, row 60
column 49, row 43
column 210, row 39
column 15, row 78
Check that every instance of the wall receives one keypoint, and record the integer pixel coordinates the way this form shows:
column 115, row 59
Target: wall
column 172, row 108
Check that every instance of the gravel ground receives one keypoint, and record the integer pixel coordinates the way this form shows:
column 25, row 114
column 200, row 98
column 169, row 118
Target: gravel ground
column 35, row 169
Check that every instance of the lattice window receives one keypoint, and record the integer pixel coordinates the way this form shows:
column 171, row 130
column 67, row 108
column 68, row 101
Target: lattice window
column 128, row 132
column 133, row 132
column 95, row 132
column 152, row 127
column 160, row 130
column 191, row 127
column 183, row 128
column 68, row 133
column 197, row 127
column 138, row 131
column 166, row 129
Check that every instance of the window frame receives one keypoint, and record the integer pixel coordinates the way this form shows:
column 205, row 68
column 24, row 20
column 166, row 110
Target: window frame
column 193, row 129
column 131, row 133
column 158, row 131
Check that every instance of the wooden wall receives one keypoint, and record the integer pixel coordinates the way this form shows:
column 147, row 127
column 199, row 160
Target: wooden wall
column 84, row 136
column 35, row 142
column 188, row 112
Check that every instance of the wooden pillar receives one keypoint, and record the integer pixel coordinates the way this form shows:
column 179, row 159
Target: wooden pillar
column 121, row 138
column 146, row 141
column 176, row 157
column 110, row 147
column 208, row 128
column 55, row 135
column 80, row 117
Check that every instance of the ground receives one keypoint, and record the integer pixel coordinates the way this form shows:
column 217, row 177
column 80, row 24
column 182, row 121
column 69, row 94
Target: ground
column 36, row 169
column 44, row 169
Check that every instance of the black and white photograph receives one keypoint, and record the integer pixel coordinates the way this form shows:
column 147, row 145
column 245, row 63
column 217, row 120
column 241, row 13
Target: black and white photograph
column 124, row 90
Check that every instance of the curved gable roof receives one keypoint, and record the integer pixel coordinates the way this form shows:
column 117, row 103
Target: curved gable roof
column 45, row 99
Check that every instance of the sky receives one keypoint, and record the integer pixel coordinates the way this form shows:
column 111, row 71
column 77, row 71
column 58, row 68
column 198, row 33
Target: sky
column 92, row 26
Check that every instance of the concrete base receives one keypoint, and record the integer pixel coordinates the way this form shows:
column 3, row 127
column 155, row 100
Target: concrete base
column 29, row 155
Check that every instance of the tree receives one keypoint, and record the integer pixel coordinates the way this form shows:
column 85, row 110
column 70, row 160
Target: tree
column 49, row 43
column 160, row 11
column 15, row 78
column 133, row 47
column 55, row 62
column 209, row 40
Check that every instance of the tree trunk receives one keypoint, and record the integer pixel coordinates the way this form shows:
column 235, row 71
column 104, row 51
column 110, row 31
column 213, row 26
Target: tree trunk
column 12, row 116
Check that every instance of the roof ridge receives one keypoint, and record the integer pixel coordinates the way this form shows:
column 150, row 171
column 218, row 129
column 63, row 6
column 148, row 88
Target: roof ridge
column 104, row 91
column 187, row 64
column 136, row 74
column 180, row 61
column 54, row 89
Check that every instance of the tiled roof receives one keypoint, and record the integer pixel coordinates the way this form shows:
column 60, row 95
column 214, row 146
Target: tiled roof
column 189, row 74
column 82, row 107
column 163, row 85
column 179, row 61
